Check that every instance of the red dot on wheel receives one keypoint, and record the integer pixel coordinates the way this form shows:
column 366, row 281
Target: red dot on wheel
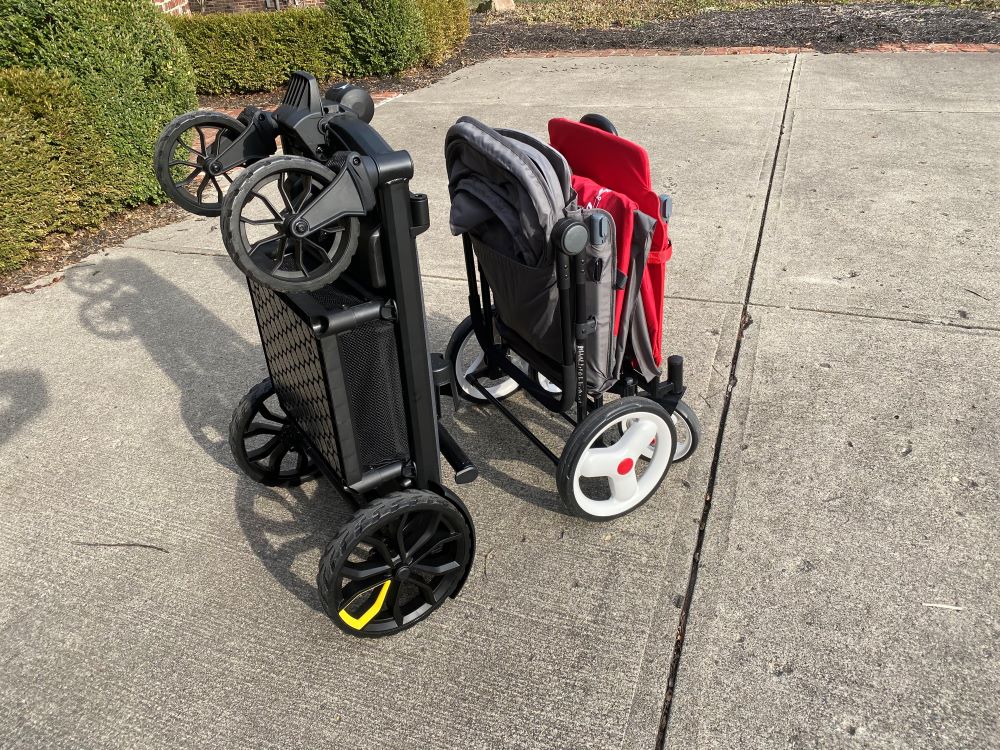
column 625, row 466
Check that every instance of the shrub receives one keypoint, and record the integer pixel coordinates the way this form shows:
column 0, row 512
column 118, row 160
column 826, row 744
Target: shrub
column 257, row 51
column 57, row 172
column 133, row 73
column 446, row 25
column 384, row 36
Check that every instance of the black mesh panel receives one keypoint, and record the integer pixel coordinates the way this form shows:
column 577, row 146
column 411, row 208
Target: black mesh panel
column 369, row 370
column 296, row 365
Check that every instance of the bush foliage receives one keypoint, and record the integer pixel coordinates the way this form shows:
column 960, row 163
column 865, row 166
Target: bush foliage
column 133, row 73
column 257, row 51
column 55, row 165
column 384, row 36
column 446, row 25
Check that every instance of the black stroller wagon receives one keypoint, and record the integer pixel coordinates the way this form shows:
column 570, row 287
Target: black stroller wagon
column 325, row 234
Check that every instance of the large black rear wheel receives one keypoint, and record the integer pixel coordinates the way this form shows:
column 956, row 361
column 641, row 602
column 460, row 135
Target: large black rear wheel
column 394, row 562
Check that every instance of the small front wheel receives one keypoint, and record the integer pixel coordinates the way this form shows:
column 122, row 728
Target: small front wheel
column 183, row 151
column 260, row 226
column 263, row 443
column 394, row 562
column 616, row 458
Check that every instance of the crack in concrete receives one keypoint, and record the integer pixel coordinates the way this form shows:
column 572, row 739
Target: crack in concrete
column 121, row 544
column 982, row 327
column 745, row 322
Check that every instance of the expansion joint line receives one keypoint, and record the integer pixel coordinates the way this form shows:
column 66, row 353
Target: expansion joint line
column 745, row 322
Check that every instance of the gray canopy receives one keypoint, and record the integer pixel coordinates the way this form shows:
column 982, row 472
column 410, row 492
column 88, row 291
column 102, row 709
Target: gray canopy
column 508, row 189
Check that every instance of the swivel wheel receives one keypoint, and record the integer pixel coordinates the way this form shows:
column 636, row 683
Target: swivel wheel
column 265, row 235
column 183, row 155
column 616, row 458
column 465, row 356
column 263, row 443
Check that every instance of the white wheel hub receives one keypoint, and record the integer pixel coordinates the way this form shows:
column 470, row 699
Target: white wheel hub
column 682, row 444
column 643, row 435
column 469, row 359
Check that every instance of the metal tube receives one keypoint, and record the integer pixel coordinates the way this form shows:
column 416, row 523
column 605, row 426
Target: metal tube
column 472, row 378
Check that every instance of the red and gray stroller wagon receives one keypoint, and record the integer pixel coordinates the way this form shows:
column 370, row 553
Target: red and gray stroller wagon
column 565, row 251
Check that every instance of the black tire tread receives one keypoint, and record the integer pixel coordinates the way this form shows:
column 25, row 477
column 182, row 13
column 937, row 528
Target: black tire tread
column 229, row 221
column 176, row 126
column 687, row 414
column 242, row 414
column 362, row 524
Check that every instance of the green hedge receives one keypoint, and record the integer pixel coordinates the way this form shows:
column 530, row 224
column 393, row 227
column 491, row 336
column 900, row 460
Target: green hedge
column 57, row 172
column 249, row 52
column 132, row 71
column 257, row 51
column 446, row 26
column 384, row 36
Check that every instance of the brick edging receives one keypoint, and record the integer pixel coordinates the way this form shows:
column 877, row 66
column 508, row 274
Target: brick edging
column 625, row 52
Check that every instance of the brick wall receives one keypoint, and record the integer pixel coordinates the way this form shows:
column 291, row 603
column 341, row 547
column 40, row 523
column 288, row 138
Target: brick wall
column 177, row 7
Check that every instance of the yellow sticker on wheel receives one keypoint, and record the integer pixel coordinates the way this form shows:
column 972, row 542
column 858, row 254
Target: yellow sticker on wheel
column 365, row 617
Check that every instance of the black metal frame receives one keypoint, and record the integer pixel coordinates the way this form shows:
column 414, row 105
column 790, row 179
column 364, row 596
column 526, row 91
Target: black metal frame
column 321, row 129
column 576, row 327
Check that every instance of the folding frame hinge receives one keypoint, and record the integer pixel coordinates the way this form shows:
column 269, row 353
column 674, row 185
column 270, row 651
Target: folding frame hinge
column 583, row 330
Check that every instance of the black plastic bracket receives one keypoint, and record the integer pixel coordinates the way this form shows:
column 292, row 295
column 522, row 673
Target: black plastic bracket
column 256, row 142
column 583, row 330
column 345, row 196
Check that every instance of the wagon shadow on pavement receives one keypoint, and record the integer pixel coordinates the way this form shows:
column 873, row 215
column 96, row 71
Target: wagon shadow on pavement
column 286, row 528
column 24, row 395
column 126, row 299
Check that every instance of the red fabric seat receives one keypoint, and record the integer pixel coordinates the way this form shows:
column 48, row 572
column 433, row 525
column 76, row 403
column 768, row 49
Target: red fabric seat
column 619, row 165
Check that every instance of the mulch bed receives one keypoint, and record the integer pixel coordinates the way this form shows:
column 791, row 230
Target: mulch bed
column 836, row 28
column 830, row 28
column 59, row 251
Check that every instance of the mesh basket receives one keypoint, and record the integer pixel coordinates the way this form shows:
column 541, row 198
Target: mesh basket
column 342, row 390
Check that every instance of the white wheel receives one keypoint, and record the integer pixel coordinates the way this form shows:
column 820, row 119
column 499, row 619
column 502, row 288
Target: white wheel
column 547, row 384
column 466, row 356
column 687, row 433
column 616, row 458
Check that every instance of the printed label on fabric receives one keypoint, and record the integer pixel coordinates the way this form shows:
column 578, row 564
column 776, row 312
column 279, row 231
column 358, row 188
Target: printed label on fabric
column 595, row 202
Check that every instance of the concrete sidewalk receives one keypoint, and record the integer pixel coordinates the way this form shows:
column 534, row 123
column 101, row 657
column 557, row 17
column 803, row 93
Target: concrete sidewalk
column 854, row 485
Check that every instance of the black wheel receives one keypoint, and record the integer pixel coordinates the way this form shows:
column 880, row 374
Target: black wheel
column 257, row 216
column 394, row 563
column 184, row 147
column 465, row 356
column 688, row 431
column 616, row 458
column 263, row 443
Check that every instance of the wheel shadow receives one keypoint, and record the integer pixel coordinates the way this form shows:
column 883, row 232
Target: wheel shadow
column 493, row 443
column 23, row 396
column 123, row 299
column 288, row 528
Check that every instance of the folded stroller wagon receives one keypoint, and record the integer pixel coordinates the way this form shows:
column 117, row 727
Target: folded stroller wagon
column 566, row 304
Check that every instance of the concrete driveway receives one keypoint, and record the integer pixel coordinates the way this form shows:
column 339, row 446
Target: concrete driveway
column 834, row 289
